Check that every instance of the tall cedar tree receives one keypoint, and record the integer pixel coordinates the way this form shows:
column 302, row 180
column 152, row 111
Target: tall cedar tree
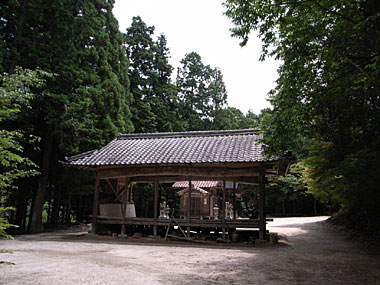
column 87, row 102
column 202, row 92
column 166, row 105
column 155, row 103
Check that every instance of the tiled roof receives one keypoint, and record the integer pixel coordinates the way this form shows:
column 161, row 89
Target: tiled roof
column 203, row 184
column 176, row 148
column 195, row 189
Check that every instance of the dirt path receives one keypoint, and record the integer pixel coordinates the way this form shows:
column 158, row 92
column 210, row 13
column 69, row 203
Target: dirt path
column 316, row 253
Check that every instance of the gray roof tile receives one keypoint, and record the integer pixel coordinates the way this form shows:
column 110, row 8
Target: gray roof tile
column 176, row 148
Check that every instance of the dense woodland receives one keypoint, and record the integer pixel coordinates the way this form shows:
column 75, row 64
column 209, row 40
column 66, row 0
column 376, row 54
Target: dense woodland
column 71, row 81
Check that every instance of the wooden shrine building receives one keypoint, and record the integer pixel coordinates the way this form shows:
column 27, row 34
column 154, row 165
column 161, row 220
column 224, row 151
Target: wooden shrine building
column 206, row 199
column 235, row 156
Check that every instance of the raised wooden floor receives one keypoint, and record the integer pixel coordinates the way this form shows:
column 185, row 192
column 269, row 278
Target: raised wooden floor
column 229, row 224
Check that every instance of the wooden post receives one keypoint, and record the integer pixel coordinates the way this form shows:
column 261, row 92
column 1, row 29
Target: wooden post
column 224, row 209
column 95, row 205
column 155, row 206
column 124, row 205
column 234, row 199
column 262, row 215
column 200, row 205
column 189, row 206
column 123, row 210
column 130, row 198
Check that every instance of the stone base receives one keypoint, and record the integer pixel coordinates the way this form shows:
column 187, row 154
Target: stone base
column 154, row 237
column 260, row 241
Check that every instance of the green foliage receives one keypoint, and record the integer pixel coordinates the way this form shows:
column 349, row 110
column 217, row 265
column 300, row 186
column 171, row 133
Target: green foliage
column 155, row 100
column 290, row 183
column 85, row 104
column 202, row 92
column 248, row 202
column 166, row 103
column 287, row 189
column 98, row 108
column 143, row 198
column 351, row 185
column 7, row 262
column 326, row 103
column 228, row 118
column 15, row 93
column 4, row 224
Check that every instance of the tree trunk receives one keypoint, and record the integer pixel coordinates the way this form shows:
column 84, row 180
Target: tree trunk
column 36, row 225
column 19, row 32
column 49, row 208
column 25, row 214
column 30, row 212
column 56, row 206
column 20, row 209
column 68, row 210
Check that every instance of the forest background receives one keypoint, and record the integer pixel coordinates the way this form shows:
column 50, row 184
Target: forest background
column 71, row 81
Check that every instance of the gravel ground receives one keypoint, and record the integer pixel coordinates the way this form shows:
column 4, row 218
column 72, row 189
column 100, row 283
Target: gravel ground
column 314, row 252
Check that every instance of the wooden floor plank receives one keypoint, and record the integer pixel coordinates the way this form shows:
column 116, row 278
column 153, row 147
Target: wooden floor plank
column 233, row 223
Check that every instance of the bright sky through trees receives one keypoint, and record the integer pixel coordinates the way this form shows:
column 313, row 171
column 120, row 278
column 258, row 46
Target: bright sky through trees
column 200, row 26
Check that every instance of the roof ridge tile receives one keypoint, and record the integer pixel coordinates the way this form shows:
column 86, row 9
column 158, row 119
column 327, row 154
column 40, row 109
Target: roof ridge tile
column 189, row 134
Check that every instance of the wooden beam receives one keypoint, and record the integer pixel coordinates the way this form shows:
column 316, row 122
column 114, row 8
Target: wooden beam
column 123, row 180
column 120, row 192
column 234, row 199
column 129, row 193
column 262, row 215
column 211, row 224
column 169, row 179
column 95, row 205
column 224, row 209
column 209, row 165
column 201, row 205
column 189, row 205
column 111, row 186
column 180, row 171
column 125, row 183
column 155, row 206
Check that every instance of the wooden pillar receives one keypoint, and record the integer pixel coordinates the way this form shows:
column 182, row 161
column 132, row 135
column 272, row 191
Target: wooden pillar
column 234, row 199
column 189, row 206
column 201, row 205
column 224, row 209
column 155, row 206
column 95, row 205
column 124, row 204
column 130, row 197
column 123, row 210
column 262, row 215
